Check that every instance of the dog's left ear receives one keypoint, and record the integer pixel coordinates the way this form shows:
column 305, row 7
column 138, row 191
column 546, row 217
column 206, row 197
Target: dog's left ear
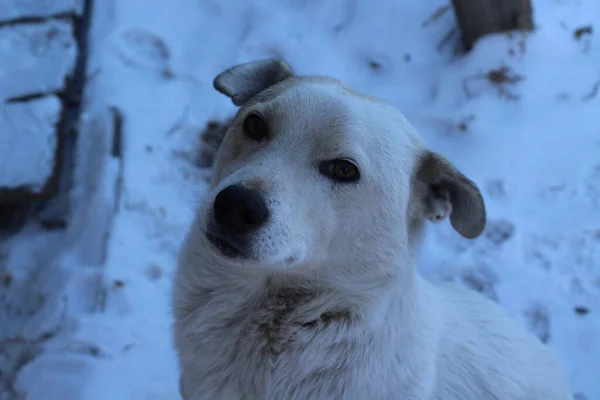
column 244, row 81
column 440, row 190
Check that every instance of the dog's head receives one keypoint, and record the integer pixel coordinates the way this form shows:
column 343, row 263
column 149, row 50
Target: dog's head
column 313, row 172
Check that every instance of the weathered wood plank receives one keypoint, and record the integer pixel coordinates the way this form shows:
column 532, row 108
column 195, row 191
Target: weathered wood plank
column 98, row 171
column 36, row 58
column 28, row 144
column 11, row 10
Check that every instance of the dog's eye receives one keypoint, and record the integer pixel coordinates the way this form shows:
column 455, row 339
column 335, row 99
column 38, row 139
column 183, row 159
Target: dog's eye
column 341, row 170
column 255, row 127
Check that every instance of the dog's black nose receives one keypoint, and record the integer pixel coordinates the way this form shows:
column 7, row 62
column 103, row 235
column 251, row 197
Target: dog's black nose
column 240, row 210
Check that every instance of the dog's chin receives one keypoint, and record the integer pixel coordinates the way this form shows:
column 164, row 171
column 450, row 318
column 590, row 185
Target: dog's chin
column 239, row 254
column 283, row 260
column 227, row 249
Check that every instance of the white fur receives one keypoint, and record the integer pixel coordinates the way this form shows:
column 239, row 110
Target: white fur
column 343, row 248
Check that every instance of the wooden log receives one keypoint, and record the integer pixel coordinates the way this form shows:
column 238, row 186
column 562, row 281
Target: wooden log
column 22, row 10
column 477, row 18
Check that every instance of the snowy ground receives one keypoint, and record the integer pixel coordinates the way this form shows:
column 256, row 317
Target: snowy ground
column 532, row 144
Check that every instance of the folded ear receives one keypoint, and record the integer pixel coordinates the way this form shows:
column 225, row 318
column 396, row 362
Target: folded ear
column 440, row 190
column 244, row 81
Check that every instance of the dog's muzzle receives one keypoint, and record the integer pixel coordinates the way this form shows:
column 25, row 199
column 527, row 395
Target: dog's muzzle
column 237, row 213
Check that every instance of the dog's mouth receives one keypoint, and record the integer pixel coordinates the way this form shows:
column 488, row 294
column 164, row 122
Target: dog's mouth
column 225, row 247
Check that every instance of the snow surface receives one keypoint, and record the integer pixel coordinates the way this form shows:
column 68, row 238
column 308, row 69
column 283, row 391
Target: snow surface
column 533, row 146
column 28, row 142
column 35, row 58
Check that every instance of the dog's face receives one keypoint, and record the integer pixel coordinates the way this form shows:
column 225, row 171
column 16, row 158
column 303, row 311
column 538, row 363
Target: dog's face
column 311, row 172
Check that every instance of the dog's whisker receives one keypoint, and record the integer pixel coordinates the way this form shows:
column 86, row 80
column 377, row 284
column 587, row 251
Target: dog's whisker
column 318, row 281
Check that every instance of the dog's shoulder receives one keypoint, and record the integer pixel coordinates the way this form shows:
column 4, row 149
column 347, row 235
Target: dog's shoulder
column 484, row 352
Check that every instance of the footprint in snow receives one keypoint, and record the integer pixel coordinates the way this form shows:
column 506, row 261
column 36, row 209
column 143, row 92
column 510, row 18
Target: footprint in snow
column 591, row 186
column 537, row 319
column 481, row 279
column 141, row 48
column 499, row 231
column 571, row 257
column 494, row 188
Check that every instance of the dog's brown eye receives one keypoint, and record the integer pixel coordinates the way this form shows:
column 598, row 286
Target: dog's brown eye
column 340, row 170
column 255, row 127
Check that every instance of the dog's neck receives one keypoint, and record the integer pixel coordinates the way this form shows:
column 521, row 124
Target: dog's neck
column 309, row 300
column 309, row 293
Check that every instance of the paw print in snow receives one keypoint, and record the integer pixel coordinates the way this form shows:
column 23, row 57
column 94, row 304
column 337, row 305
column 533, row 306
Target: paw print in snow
column 499, row 231
column 481, row 279
column 496, row 234
column 555, row 192
column 541, row 251
column 537, row 318
column 591, row 186
column 572, row 258
column 143, row 49
column 494, row 188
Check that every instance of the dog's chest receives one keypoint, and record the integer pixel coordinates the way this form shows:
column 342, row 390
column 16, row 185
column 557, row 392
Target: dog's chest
column 265, row 351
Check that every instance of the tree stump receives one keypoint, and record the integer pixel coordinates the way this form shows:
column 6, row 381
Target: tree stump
column 477, row 18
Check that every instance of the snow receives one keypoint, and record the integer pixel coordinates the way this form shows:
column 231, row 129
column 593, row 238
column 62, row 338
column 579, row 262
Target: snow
column 28, row 143
column 532, row 146
column 21, row 9
column 35, row 58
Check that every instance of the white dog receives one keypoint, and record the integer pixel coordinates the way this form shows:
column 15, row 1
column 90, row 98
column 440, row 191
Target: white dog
column 297, row 279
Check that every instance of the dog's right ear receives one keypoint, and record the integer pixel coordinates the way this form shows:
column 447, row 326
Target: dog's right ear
column 244, row 81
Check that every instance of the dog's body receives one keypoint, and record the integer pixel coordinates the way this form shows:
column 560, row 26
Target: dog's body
column 297, row 279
